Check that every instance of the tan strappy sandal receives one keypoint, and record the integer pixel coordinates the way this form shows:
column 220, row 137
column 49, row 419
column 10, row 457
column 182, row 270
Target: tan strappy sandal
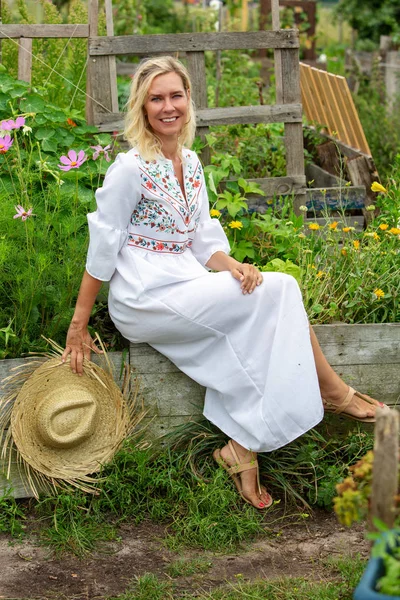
column 239, row 467
column 340, row 409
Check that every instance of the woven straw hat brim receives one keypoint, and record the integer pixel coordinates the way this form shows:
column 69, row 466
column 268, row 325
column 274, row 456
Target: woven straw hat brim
column 112, row 420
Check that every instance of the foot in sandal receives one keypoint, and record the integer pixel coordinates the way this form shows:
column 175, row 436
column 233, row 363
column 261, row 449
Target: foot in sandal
column 242, row 466
column 352, row 404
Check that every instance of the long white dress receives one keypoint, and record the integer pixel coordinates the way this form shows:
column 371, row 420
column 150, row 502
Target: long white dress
column 252, row 352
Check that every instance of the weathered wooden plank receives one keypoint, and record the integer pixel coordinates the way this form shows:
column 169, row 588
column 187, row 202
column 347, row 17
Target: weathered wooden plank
column 360, row 174
column 93, row 14
column 25, row 59
column 43, row 31
column 112, row 67
column 319, row 178
column 193, row 42
column 170, row 394
column 279, row 186
column 385, row 473
column 339, row 198
column 197, row 69
column 293, row 131
column 108, row 121
column 342, row 333
column 276, row 113
column 379, row 381
column 360, row 344
column 316, row 199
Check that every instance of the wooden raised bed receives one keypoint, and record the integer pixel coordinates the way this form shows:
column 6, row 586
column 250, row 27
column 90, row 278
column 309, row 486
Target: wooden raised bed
column 366, row 356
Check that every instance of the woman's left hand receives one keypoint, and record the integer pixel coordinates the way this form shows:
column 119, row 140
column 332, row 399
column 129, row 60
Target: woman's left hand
column 248, row 275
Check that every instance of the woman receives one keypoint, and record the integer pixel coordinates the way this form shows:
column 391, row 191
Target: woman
column 242, row 334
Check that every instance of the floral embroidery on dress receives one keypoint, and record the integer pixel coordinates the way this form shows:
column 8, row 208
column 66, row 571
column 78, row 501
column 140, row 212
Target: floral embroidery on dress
column 153, row 214
column 162, row 201
column 156, row 245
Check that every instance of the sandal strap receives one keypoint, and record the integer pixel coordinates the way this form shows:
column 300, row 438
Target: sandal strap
column 239, row 467
column 347, row 399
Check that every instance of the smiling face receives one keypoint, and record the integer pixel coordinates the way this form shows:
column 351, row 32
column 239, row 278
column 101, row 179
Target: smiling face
column 167, row 105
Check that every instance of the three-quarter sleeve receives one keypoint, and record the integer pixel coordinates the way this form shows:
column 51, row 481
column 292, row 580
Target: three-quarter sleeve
column 108, row 225
column 210, row 236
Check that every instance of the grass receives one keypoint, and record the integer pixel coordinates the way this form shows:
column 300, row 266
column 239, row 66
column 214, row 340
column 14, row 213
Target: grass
column 179, row 486
column 339, row 577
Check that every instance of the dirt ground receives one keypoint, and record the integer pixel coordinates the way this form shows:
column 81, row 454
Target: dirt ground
column 32, row 571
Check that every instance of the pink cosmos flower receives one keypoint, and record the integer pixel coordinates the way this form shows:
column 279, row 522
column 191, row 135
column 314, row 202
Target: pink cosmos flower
column 5, row 144
column 72, row 161
column 21, row 212
column 10, row 124
column 100, row 150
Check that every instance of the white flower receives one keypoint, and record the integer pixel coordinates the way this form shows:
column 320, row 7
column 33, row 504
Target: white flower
column 216, row 25
column 322, row 58
column 215, row 4
column 26, row 129
column 303, row 208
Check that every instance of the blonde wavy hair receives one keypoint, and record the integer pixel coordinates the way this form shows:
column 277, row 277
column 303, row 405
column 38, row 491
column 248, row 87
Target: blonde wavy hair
column 138, row 131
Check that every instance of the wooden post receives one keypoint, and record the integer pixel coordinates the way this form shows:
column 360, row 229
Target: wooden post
column 93, row 17
column 362, row 171
column 197, row 69
column 25, row 59
column 385, row 475
column 276, row 24
column 111, row 59
column 101, row 71
column 290, row 94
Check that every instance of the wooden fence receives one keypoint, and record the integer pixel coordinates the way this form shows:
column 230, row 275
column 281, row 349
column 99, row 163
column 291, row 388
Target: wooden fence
column 288, row 110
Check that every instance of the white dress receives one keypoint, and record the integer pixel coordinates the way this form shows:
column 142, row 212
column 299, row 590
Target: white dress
column 252, row 352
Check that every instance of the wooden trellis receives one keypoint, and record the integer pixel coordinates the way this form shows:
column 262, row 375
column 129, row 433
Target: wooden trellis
column 327, row 101
column 288, row 110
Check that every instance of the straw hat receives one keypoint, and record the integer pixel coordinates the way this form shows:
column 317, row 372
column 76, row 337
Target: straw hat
column 65, row 427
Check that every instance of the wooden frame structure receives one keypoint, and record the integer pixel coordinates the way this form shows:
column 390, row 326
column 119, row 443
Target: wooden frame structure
column 102, row 110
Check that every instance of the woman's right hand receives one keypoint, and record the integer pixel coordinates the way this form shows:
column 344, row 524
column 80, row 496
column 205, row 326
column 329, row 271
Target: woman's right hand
column 78, row 346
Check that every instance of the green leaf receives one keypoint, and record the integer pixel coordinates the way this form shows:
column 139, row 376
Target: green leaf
column 85, row 195
column 32, row 103
column 49, row 145
column 44, row 133
column 18, row 89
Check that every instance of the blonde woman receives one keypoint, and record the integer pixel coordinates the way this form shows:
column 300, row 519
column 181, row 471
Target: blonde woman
column 242, row 334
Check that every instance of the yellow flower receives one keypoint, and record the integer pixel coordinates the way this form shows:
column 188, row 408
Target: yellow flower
column 313, row 267
column 394, row 230
column 313, row 226
column 343, row 252
column 320, row 274
column 333, row 225
column 356, row 244
column 236, row 225
column 347, row 229
column 214, row 213
column 383, row 226
column 379, row 293
column 376, row 237
column 377, row 187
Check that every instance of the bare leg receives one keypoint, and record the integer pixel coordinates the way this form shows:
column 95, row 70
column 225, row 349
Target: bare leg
column 335, row 389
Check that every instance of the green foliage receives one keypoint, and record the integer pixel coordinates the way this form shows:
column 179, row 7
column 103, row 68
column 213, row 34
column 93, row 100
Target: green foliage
column 71, row 524
column 12, row 516
column 372, row 18
column 56, row 62
column 42, row 259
